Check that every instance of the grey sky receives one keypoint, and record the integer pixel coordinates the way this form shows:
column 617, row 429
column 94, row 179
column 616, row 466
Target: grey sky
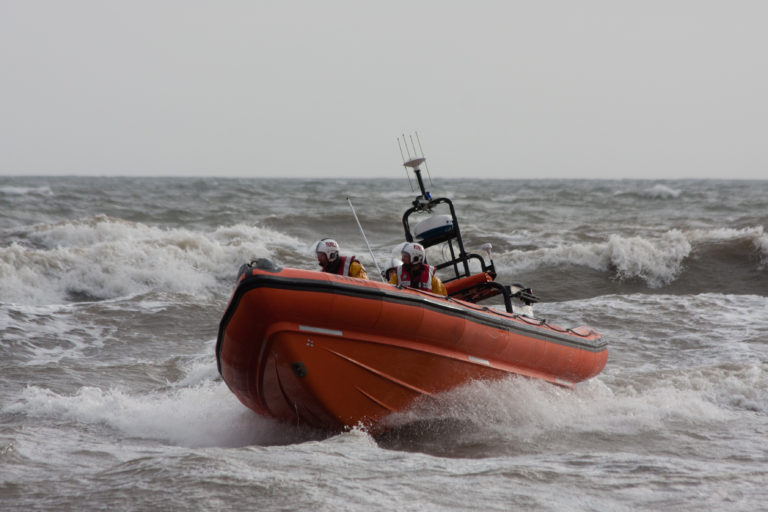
column 498, row 89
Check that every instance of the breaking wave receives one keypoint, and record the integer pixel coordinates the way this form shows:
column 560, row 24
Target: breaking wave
column 23, row 191
column 542, row 416
column 102, row 258
column 657, row 191
column 477, row 414
column 657, row 262
column 218, row 418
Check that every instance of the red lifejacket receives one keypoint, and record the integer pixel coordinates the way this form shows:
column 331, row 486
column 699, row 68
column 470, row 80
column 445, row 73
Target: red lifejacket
column 344, row 263
column 425, row 278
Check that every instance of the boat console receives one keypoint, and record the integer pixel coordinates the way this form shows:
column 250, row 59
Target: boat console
column 443, row 229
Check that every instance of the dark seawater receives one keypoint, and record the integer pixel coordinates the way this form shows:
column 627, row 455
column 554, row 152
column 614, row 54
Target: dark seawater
column 111, row 290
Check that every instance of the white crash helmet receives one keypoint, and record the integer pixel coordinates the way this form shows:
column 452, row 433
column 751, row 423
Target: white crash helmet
column 393, row 264
column 328, row 247
column 415, row 251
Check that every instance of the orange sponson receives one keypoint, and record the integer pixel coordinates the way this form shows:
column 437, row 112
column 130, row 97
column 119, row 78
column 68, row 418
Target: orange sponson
column 457, row 285
column 332, row 351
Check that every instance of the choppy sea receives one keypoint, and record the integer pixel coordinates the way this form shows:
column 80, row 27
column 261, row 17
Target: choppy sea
column 111, row 290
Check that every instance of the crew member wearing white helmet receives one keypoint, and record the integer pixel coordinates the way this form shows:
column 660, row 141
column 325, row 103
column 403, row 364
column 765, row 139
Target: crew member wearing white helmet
column 328, row 256
column 415, row 273
column 392, row 268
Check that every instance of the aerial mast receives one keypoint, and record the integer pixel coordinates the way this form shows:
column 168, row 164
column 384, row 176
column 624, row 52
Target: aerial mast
column 414, row 162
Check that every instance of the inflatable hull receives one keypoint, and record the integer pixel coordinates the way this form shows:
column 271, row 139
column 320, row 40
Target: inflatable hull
column 333, row 352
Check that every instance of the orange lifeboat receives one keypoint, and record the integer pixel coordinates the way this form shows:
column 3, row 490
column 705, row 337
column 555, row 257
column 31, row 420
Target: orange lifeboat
column 332, row 352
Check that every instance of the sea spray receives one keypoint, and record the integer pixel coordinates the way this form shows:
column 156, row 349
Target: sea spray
column 103, row 258
column 110, row 397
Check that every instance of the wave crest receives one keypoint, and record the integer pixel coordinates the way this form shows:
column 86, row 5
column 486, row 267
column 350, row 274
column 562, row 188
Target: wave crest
column 701, row 255
column 102, row 258
column 658, row 262
column 25, row 191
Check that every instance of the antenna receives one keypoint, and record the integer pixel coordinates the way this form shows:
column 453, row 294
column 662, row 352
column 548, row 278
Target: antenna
column 365, row 239
column 414, row 162
column 406, row 169
column 406, row 147
column 425, row 158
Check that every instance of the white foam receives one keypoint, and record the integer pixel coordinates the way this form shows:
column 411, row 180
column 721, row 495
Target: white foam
column 525, row 408
column 23, row 191
column 102, row 257
column 657, row 191
column 41, row 335
column 754, row 234
column 660, row 191
column 658, row 261
column 683, row 331
column 761, row 244
column 206, row 414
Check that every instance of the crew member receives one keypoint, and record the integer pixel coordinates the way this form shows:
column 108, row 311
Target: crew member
column 392, row 268
column 415, row 273
column 328, row 257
